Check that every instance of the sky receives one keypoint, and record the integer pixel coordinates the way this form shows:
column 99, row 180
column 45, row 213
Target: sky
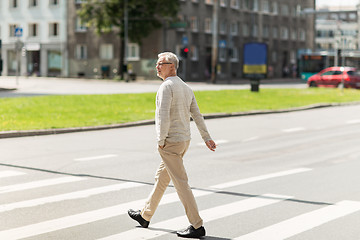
column 337, row 3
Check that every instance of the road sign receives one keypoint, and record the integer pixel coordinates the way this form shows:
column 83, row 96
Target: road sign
column 222, row 43
column 18, row 32
column 185, row 40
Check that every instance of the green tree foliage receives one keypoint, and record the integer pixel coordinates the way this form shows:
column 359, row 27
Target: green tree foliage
column 144, row 16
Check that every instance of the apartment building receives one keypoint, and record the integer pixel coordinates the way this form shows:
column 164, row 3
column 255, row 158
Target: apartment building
column 90, row 54
column 33, row 34
column 278, row 23
column 337, row 28
column 55, row 42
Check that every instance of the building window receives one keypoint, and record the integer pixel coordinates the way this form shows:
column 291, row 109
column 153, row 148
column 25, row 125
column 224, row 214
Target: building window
column 284, row 10
column 266, row 6
column 265, row 31
column 275, row 33
column 81, row 51
column 275, row 9
column 235, row 4
column 256, row 5
column 54, row 29
column 194, row 24
column 194, row 54
column 80, row 26
column 208, row 25
column 12, row 28
column 223, row 27
column 284, row 33
column 12, row 60
column 13, row 3
column 133, row 52
column 195, row 1
column 302, row 35
column 222, row 54
column 352, row 16
column 54, row 2
column 247, row 4
column 54, row 62
column 293, row 35
column 245, row 30
column 255, row 31
column 80, row 1
column 234, row 28
column 106, row 51
column 33, row 30
column 210, row 2
column 234, row 54
column 33, row 3
column 274, row 56
column 223, row 3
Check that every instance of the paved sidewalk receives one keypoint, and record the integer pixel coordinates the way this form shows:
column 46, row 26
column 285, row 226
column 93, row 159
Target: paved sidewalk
column 62, row 86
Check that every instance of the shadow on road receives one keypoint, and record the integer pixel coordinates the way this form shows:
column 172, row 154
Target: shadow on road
column 174, row 232
column 217, row 191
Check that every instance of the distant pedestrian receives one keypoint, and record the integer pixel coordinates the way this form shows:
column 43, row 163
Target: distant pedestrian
column 175, row 103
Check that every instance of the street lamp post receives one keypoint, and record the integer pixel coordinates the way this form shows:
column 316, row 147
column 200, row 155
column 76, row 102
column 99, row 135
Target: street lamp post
column 214, row 53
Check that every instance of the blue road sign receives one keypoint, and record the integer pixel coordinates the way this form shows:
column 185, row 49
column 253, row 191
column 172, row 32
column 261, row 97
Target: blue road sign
column 185, row 40
column 222, row 43
column 18, row 32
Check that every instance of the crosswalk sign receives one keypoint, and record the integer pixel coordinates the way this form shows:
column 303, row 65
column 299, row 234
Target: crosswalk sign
column 18, row 32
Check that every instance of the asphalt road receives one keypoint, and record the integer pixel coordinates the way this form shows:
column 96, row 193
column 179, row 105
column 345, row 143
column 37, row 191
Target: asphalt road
column 277, row 176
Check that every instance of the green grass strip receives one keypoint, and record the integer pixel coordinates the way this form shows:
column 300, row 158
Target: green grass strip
column 49, row 112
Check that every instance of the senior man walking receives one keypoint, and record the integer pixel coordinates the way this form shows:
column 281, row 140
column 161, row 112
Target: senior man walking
column 175, row 103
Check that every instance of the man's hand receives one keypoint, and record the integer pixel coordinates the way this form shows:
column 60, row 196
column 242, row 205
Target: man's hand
column 211, row 145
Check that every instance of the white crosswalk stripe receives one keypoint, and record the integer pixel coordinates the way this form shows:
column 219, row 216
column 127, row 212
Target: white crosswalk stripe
column 5, row 174
column 67, row 196
column 303, row 222
column 281, row 230
column 208, row 214
column 91, row 216
column 38, row 184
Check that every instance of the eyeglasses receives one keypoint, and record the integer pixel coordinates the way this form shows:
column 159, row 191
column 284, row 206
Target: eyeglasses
column 159, row 64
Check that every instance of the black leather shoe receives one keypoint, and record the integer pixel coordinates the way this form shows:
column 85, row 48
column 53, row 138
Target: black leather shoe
column 137, row 217
column 191, row 232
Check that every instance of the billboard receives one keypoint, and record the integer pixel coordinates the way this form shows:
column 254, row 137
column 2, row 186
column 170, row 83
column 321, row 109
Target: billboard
column 255, row 60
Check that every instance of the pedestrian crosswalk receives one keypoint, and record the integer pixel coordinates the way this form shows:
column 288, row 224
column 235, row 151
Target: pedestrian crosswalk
column 231, row 208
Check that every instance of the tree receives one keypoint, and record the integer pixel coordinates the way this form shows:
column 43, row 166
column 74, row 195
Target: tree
column 144, row 16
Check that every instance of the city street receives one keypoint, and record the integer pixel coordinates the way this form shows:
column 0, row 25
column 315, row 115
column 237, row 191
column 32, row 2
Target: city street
column 276, row 176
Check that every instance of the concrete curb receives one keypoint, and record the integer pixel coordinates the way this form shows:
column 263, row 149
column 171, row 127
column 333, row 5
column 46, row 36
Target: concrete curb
column 28, row 133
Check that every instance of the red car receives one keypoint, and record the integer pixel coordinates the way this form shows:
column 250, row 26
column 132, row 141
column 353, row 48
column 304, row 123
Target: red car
column 334, row 76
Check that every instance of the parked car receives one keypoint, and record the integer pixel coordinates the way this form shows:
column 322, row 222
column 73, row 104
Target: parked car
column 335, row 77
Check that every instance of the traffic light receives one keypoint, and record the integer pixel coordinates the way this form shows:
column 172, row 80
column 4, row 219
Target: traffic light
column 184, row 52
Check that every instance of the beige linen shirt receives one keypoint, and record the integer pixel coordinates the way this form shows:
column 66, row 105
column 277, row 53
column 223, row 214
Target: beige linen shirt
column 175, row 103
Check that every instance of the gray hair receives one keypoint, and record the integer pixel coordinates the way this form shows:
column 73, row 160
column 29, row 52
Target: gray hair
column 170, row 57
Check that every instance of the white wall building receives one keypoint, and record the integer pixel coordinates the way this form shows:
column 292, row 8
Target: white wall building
column 42, row 49
column 337, row 29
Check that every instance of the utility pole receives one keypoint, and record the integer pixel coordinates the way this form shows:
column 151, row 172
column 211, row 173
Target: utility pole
column 214, row 53
column 126, row 29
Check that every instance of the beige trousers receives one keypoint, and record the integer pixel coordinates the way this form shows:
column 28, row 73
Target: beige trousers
column 172, row 168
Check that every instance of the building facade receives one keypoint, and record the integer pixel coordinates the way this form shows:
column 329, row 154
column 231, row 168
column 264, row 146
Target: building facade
column 56, row 43
column 33, row 34
column 90, row 54
column 278, row 23
column 337, row 30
